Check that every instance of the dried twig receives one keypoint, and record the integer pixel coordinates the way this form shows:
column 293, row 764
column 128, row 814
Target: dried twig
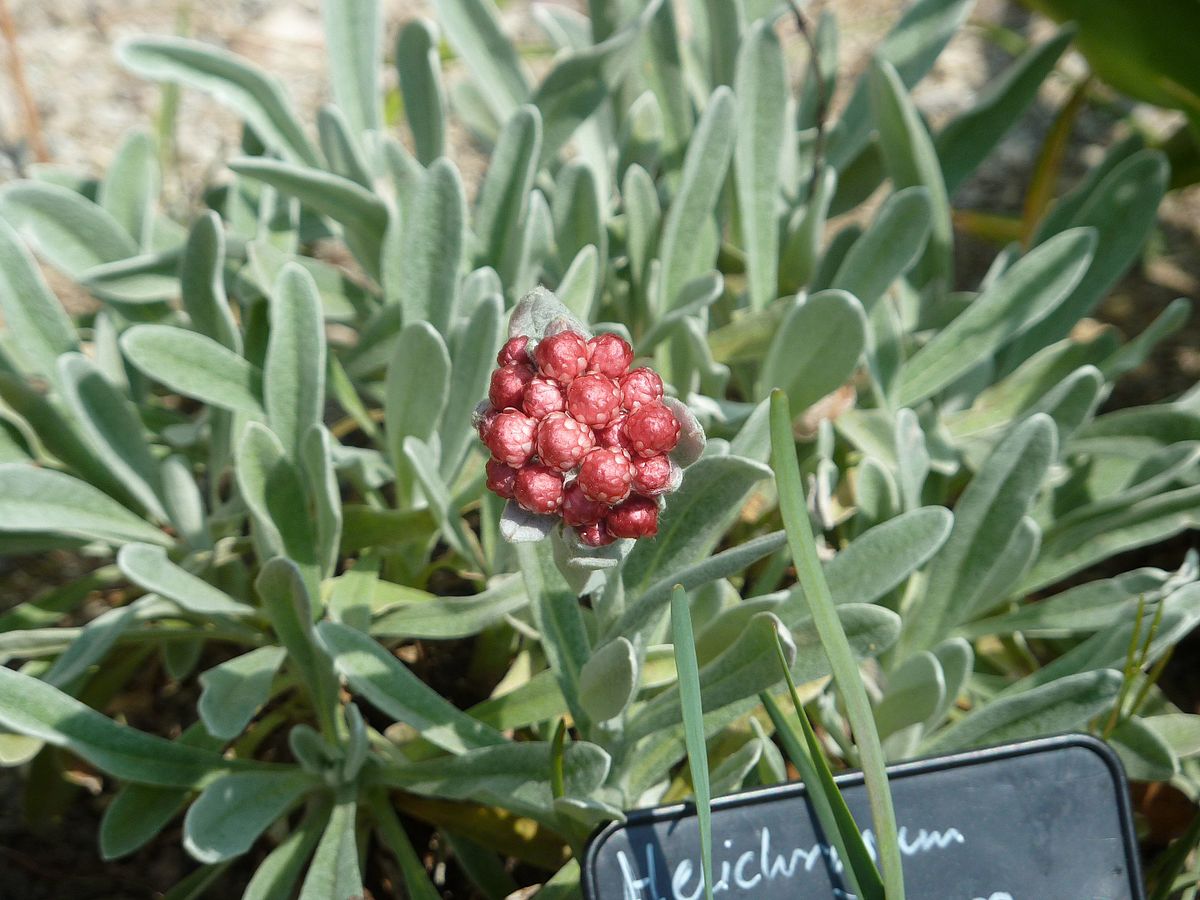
column 16, row 71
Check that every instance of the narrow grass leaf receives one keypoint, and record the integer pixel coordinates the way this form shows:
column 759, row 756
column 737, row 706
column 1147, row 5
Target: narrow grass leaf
column 841, row 657
column 693, row 725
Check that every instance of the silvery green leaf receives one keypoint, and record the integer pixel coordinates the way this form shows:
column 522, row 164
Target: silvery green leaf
column 697, row 296
column 354, row 41
column 870, row 629
column 1017, row 392
column 417, row 386
column 1110, row 648
column 580, row 285
column 342, row 299
column 1180, row 731
column 434, row 242
column 1067, row 704
column 1012, row 562
column 915, row 692
column 815, row 349
column 419, row 68
column 362, row 215
column 288, row 604
column 587, row 812
column 376, row 675
column 114, row 430
column 586, row 569
column 89, row 648
column 139, row 812
column 578, row 213
column 911, row 160
column 32, row 707
column 642, row 134
column 692, row 439
column 704, row 167
column 643, row 216
column 559, row 620
column 42, row 500
column 663, row 70
column 749, row 665
column 970, row 137
column 333, row 871
column 515, row 776
column 519, row 526
column 149, row 278
column 912, row 457
column 233, row 810
column 1144, row 754
column 271, row 486
column 957, row 659
column 422, row 462
column 1142, row 522
column 539, row 313
column 761, row 87
column 341, row 147
column 316, row 464
column 912, row 46
column 38, row 327
column 202, row 282
column 147, row 566
column 446, row 618
column 130, row 188
column 63, row 227
column 884, row 556
column 714, row 635
column 255, row 96
column 888, row 248
column 654, row 599
column 987, row 513
column 473, row 30
column 232, row 693
column 1086, row 607
column 534, row 251
column 729, row 775
column 1022, row 298
column 609, row 680
column 805, row 231
column 195, row 366
column 1122, row 210
column 185, row 503
column 1134, row 353
column 504, row 195
column 724, row 24
column 294, row 369
column 471, row 349
column 277, row 875
column 695, row 518
column 579, row 82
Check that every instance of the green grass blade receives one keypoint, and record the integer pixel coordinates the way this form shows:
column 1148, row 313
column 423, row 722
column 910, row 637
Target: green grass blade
column 693, row 723
column 833, row 814
column 841, row 658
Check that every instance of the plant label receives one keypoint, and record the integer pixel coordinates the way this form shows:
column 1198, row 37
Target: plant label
column 1031, row 821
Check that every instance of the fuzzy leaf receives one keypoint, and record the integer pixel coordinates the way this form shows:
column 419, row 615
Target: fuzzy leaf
column 1019, row 300
column 704, row 167
column 195, row 366
column 816, row 348
column 419, row 68
column 235, row 809
column 43, row 500
column 761, row 88
column 255, row 96
column 65, row 228
column 232, row 693
column 294, row 370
